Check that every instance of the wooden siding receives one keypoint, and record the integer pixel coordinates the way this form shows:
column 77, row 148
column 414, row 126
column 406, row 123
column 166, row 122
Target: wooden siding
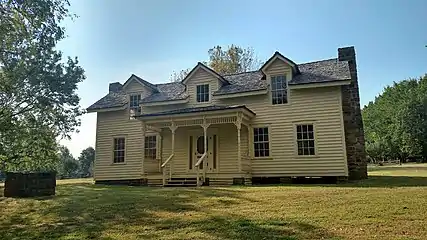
column 277, row 67
column 136, row 87
column 201, row 77
column 117, row 124
column 320, row 106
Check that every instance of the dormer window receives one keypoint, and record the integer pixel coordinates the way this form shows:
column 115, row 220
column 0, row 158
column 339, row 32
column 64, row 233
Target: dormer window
column 279, row 93
column 203, row 93
column 134, row 108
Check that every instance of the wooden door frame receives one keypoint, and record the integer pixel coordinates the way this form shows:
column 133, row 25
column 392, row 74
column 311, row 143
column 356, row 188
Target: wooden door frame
column 197, row 133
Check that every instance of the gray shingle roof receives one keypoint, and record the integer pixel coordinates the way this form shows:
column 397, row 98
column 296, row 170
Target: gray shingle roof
column 243, row 82
column 195, row 109
column 167, row 92
column 312, row 72
column 111, row 100
column 322, row 71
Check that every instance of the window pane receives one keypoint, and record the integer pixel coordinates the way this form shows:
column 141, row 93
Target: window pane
column 201, row 145
column 278, row 89
column 304, row 128
column 311, row 135
column 311, row 151
column 261, row 142
column 310, row 128
column 266, row 146
column 202, row 93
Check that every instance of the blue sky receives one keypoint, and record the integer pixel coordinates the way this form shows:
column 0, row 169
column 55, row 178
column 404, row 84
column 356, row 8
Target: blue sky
column 115, row 38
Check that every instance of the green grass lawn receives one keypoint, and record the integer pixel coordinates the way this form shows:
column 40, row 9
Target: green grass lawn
column 391, row 204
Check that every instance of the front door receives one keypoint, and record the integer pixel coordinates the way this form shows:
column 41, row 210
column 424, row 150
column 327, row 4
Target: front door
column 197, row 149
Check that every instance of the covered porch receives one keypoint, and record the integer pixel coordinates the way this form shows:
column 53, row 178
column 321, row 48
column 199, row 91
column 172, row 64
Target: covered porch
column 199, row 143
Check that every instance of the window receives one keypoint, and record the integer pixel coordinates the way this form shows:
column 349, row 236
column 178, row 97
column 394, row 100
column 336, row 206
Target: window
column 305, row 139
column 134, row 107
column 279, row 92
column 261, row 142
column 203, row 93
column 150, row 147
column 119, row 150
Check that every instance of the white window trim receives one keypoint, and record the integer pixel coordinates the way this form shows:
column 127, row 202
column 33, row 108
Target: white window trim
column 157, row 146
column 288, row 75
column 252, row 147
column 209, row 93
column 316, row 150
column 131, row 108
column 113, row 150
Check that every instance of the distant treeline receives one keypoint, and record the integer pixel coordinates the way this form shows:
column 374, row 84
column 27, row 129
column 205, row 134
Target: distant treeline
column 395, row 122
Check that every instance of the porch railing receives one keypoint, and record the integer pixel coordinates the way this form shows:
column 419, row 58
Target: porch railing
column 164, row 169
column 201, row 160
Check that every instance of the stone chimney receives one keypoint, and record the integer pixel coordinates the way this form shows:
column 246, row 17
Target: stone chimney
column 115, row 87
column 352, row 116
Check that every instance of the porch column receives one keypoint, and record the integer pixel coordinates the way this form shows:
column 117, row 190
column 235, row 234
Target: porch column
column 173, row 128
column 238, row 124
column 143, row 130
column 205, row 126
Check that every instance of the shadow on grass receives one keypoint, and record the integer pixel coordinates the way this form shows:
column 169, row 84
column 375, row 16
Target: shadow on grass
column 388, row 182
column 234, row 227
column 378, row 182
column 372, row 181
column 84, row 211
column 397, row 168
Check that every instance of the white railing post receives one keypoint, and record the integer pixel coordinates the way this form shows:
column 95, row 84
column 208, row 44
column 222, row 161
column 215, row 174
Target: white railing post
column 173, row 128
column 197, row 165
column 238, row 124
column 205, row 126
column 164, row 168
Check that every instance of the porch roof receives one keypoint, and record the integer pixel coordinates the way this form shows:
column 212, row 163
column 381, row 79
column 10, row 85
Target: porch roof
column 196, row 110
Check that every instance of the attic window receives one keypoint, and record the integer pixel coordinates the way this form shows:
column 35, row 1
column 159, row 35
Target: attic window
column 134, row 108
column 203, row 93
column 279, row 94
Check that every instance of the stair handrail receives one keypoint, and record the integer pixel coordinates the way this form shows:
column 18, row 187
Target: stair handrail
column 167, row 160
column 198, row 169
column 201, row 159
column 163, row 168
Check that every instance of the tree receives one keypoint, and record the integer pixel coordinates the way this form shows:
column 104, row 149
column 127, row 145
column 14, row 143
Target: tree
column 179, row 76
column 232, row 60
column 396, row 122
column 38, row 97
column 68, row 166
column 86, row 160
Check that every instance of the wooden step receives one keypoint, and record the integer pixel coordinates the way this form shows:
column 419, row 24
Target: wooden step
column 181, row 182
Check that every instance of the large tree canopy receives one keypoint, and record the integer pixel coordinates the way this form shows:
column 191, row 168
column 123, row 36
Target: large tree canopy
column 233, row 59
column 396, row 121
column 86, row 160
column 38, row 99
